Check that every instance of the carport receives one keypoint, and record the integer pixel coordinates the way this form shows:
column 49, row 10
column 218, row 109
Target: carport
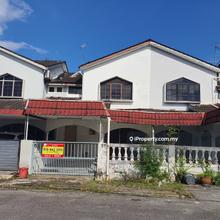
column 10, row 111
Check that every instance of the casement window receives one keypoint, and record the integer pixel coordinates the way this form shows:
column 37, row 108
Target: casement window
column 116, row 89
column 75, row 90
column 55, row 89
column 10, row 86
column 59, row 89
column 51, row 89
column 182, row 90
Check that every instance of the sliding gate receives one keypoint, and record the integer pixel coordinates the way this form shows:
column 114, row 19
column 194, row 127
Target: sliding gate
column 66, row 158
column 9, row 155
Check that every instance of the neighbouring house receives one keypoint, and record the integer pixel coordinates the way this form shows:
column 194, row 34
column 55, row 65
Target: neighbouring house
column 150, row 81
column 119, row 99
column 65, row 86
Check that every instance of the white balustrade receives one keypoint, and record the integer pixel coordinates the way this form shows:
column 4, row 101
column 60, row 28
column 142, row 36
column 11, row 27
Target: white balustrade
column 192, row 154
column 126, row 153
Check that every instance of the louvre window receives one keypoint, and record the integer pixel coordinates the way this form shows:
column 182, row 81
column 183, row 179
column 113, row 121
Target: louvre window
column 10, row 86
column 116, row 89
column 182, row 90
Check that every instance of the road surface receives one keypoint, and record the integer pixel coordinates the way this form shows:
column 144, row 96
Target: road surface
column 22, row 205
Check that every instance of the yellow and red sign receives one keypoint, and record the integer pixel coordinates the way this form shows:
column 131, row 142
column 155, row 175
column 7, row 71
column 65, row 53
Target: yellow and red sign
column 53, row 150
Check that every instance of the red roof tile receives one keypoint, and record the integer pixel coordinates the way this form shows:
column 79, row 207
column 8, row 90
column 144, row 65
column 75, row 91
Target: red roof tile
column 212, row 116
column 66, row 108
column 157, row 118
column 60, row 108
column 12, row 107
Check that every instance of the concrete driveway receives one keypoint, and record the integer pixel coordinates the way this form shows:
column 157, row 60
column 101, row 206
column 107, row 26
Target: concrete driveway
column 75, row 205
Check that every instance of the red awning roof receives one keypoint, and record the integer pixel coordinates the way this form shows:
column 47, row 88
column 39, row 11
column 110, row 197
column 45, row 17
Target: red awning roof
column 66, row 108
column 157, row 118
column 61, row 108
column 12, row 107
column 212, row 116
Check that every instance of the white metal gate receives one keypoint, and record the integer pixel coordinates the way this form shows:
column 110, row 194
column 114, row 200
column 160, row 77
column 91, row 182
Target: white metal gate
column 75, row 158
column 9, row 155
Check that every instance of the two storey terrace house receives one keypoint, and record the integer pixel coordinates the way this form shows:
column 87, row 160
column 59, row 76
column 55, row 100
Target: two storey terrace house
column 122, row 98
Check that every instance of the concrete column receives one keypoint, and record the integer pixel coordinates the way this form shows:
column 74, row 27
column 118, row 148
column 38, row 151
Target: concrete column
column 26, row 127
column 103, row 154
column 102, row 160
column 47, row 135
column 108, row 146
column 101, row 134
column 153, row 134
column 171, row 158
column 26, row 154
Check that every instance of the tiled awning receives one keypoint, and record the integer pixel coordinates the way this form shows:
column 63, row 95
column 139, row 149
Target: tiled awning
column 157, row 118
column 212, row 116
column 12, row 107
column 63, row 108
column 66, row 108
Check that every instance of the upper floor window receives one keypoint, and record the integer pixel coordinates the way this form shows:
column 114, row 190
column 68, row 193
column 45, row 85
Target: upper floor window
column 10, row 86
column 55, row 89
column 59, row 89
column 182, row 90
column 51, row 89
column 117, row 89
column 75, row 90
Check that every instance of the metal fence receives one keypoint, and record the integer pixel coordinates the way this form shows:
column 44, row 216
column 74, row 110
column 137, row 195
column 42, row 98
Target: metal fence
column 75, row 159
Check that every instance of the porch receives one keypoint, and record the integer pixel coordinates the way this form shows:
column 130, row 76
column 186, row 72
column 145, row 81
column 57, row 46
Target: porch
column 116, row 135
column 100, row 159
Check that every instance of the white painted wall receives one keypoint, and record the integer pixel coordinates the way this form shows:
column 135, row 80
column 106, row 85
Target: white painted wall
column 33, row 77
column 166, row 67
column 83, row 135
column 63, row 94
column 134, row 67
column 25, row 154
column 149, row 69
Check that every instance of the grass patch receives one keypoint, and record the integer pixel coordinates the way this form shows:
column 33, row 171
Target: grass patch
column 139, row 187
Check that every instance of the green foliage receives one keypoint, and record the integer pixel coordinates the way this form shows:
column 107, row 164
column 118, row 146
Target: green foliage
column 180, row 169
column 172, row 131
column 149, row 163
column 207, row 171
column 217, row 179
column 129, row 176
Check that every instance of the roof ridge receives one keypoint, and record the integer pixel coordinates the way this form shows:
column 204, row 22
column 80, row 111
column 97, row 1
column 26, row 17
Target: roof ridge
column 21, row 56
column 156, row 44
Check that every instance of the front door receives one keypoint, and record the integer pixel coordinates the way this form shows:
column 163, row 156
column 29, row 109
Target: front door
column 70, row 133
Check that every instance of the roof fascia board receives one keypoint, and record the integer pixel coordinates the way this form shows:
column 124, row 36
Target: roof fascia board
column 114, row 55
column 20, row 57
column 153, row 44
column 185, row 57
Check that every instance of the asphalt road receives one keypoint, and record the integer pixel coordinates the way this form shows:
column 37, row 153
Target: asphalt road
column 39, row 205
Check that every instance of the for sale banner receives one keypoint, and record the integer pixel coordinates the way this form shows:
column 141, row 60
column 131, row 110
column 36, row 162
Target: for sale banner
column 53, row 150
